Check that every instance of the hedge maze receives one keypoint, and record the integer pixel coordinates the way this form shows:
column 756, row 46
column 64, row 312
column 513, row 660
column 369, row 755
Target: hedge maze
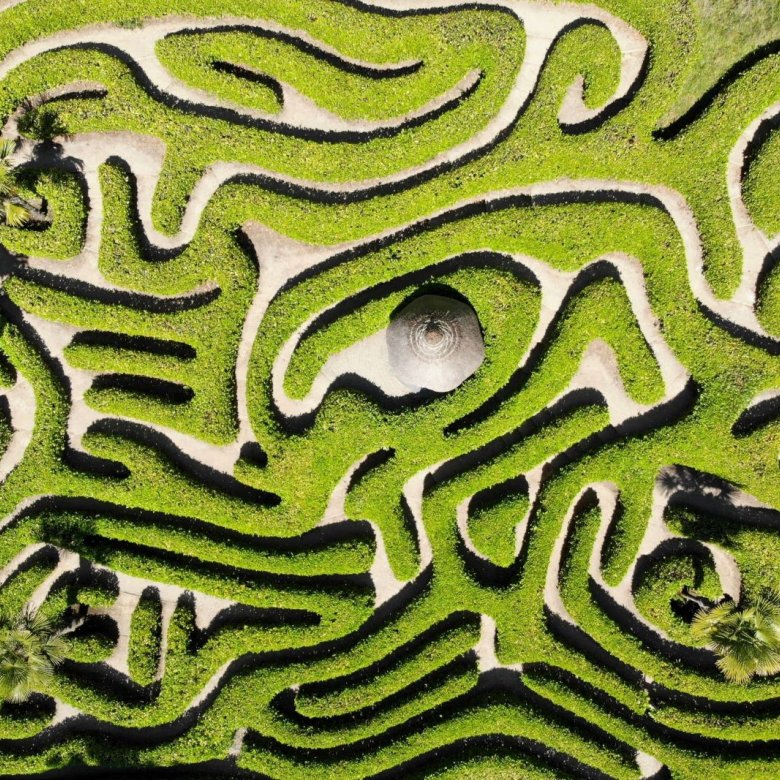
column 275, row 548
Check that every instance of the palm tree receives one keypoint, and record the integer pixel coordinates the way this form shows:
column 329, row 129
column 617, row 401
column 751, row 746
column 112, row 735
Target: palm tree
column 13, row 211
column 30, row 648
column 746, row 639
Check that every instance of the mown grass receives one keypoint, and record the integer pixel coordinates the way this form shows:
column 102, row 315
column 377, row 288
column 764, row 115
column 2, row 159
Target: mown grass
column 727, row 31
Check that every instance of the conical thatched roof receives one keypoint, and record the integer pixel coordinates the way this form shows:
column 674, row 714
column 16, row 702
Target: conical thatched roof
column 435, row 342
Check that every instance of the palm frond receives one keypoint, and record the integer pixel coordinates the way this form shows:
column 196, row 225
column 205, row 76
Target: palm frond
column 7, row 148
column 36, row 622
column 768, row 606
column 706, row 622
column 7, row 186
column 7, row 618
column 55, row 649
column 15, row 215
column 736, row 670
column 746, row 640
column 30, row 649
